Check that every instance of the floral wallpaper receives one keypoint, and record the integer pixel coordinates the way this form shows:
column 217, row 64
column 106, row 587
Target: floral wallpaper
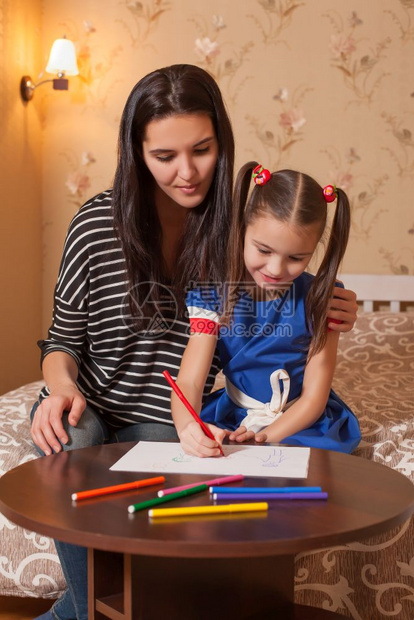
column 325, row 87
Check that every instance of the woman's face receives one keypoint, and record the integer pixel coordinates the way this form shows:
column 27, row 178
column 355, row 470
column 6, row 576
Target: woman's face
column 181, row 154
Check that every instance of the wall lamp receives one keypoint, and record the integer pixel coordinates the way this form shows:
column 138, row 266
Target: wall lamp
column 62, row 62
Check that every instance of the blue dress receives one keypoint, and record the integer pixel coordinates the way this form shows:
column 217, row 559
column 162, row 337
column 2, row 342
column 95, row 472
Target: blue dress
column 265, row 336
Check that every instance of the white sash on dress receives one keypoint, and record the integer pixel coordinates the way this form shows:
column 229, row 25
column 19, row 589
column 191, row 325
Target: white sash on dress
column 259, row 415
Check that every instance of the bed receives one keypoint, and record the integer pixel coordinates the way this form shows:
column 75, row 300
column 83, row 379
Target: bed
column 29, row 565
column 366, row 580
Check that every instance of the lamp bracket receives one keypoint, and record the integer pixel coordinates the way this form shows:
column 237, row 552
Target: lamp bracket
column 27, row 88
column 61, row 83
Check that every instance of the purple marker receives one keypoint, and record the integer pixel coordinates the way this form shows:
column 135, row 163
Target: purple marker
column 268, row 496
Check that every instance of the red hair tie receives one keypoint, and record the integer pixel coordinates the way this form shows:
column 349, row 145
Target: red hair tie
column 261, row 175
column 330, row 193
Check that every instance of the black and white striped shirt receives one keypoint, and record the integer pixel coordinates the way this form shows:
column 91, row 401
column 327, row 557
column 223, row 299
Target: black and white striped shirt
column 120, row 370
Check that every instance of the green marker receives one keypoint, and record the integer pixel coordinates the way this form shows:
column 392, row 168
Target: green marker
column 167, row 498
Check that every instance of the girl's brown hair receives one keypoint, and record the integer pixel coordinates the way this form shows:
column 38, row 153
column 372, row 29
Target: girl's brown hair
column 295, row 198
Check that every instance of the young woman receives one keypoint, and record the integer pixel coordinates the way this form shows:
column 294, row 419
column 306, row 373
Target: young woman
column 277, row 353
column 119, row 313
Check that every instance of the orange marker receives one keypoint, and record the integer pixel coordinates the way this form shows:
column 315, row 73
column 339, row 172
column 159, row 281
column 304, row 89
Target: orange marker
column 127, row 486
column 193, row 412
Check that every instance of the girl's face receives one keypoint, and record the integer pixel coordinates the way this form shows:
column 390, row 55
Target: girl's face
column 275, row 253
column 181, row 154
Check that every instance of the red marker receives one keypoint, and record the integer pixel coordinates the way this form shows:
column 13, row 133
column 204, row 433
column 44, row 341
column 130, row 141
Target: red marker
column 126, row 486
column 183, row 399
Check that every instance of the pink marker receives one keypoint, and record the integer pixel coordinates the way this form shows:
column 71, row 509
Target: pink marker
column 214, row 482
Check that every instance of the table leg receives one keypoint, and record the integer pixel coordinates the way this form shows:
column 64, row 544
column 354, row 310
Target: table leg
column 208, row 588
column 105, row 579
column 125, row 587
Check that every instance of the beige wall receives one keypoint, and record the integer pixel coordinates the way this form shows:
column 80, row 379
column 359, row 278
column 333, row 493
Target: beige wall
column 322, row 86
column 20, row 174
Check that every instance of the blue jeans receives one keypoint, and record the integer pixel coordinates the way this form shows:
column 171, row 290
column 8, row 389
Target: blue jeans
column 92, row 431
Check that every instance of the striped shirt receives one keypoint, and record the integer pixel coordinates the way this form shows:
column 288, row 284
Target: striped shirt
column 120, row 369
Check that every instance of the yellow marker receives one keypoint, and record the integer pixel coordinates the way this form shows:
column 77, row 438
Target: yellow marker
column 207, row 510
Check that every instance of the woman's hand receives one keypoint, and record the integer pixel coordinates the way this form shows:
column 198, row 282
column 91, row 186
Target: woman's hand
column 343, row 310
column 241, row 434
column 47, row 428
column 195, row 442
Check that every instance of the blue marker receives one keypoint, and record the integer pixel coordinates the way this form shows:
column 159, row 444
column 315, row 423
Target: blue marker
column 265, row 490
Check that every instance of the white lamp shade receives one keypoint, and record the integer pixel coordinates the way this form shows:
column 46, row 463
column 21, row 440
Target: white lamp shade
column 62, row 58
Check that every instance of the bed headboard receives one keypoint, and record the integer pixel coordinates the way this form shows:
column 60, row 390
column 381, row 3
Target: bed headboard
column 397, row 291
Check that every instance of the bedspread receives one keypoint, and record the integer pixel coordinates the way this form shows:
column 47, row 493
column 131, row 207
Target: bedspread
column 29, row 565
column 366, row 580
column 372, row 579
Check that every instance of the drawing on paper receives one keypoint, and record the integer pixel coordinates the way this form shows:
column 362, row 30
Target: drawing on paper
column 278, row 461
column 273, row 458
column 182, row 458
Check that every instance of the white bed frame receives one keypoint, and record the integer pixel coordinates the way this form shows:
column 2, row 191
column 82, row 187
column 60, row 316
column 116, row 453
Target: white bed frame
column 389, row 289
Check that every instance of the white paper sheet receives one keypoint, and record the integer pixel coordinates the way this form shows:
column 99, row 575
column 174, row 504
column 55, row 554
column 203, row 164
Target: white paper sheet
column 272, row 461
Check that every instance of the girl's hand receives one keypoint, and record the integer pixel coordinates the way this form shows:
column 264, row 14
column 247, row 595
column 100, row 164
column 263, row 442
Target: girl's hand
column 47, row 429
column 241, row 434
column 343, row 310
column 194, row 441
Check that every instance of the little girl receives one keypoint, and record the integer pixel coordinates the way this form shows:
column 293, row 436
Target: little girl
column 269, row 322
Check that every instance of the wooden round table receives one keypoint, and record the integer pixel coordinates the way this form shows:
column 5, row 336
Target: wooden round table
column 227, row 566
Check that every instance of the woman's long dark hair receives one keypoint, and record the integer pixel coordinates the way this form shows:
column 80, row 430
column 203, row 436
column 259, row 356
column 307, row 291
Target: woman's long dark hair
column 296, row 198
column 178, row 89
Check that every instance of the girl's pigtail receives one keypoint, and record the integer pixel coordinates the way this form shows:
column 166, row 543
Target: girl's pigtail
column 235, row 259
column 317, row 302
